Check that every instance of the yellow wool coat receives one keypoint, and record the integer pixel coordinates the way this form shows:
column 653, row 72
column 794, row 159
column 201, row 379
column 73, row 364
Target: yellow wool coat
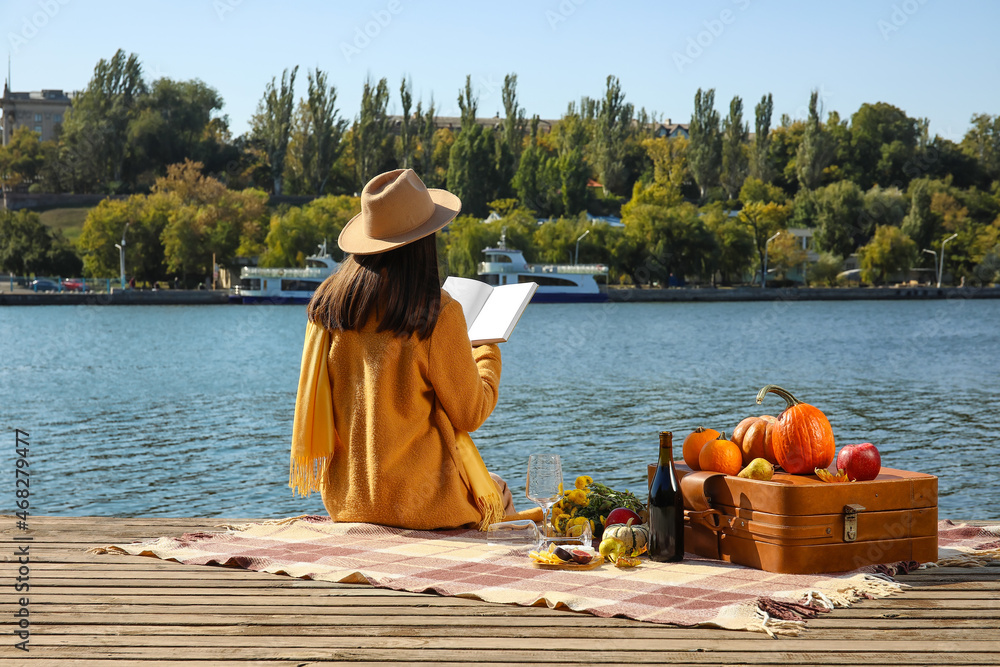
column 397, row 404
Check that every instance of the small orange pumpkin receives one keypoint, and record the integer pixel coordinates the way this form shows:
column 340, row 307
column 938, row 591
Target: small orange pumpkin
column 802, row 437
column 693, row 444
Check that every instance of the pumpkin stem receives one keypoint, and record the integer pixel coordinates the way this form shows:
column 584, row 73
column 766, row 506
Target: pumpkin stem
column 773, row 388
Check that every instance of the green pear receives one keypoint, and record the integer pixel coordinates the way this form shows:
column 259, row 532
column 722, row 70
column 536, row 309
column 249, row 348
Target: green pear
column 758, row 469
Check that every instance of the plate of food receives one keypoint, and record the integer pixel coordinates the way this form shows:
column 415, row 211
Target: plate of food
column 566, row 558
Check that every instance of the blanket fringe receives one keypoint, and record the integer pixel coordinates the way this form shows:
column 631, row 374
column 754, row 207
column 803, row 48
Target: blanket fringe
column 970, row 559
column 764, row 622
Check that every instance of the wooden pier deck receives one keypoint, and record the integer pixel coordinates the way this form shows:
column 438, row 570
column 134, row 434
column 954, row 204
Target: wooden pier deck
column 127, row 610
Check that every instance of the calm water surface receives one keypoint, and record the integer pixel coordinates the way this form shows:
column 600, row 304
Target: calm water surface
column 187, row 410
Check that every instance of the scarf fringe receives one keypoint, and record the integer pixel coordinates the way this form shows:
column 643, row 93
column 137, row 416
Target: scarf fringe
column 304, row 474
column 491, row 507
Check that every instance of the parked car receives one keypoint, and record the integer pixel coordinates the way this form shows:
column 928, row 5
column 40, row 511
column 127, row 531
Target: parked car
column 73, row 285
column 45, row 285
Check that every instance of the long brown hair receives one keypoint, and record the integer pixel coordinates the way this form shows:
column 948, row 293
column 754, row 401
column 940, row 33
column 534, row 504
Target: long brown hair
column 400, row 286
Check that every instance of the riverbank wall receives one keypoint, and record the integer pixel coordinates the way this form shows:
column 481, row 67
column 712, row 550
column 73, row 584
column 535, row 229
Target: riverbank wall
column 116, row 298
column 673, row 294
column 708, row 294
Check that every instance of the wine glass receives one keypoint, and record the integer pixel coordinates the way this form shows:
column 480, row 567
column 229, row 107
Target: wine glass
column 544, row 480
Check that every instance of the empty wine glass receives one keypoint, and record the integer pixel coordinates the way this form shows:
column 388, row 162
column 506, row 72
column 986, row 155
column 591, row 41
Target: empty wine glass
column 544, row 481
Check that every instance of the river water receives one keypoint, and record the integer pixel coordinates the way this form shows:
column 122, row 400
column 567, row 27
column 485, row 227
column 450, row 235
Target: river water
column 186, row 410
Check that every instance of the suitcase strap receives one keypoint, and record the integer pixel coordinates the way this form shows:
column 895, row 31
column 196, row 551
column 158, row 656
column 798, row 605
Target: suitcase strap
column 697, row 503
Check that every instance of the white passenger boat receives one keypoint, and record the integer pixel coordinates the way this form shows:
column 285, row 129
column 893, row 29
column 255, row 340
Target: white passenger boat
column 557, row 283
column 292, row 285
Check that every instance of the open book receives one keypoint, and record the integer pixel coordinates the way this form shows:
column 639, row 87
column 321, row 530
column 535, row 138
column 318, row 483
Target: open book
column 490, row 312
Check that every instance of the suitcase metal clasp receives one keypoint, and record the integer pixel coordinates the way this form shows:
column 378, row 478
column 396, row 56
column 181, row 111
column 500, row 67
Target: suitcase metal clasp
column 851, row 522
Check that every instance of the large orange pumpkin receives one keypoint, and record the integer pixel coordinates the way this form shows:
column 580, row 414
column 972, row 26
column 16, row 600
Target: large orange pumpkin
column 802, row 437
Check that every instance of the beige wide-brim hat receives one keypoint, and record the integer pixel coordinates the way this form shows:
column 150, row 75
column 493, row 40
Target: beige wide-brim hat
column 396, row 209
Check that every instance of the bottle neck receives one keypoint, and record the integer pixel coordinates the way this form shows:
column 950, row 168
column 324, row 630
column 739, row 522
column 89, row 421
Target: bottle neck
column 666, row 448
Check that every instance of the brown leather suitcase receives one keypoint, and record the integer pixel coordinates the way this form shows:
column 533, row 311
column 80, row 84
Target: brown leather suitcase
column 797, row 524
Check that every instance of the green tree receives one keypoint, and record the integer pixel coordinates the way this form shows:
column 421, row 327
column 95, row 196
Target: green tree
column 705, row 148
column 326, row 132
column 508, row 138
column 272, row 124
column 840, row 226
column 527, row 180
column 889, row 252
column 982, row 142
column 734, row 241
column 760, row 166
column 884, row 141
column 825, row 269
column 675, row 241
column 176, row 121
column 28, row 247
column 471, row 166
column 464, row 242
column 784, row 149
column 372, row 141
column 735, row 161
column 920, row 224
column 96, row 129
column 407, row 142
column 815, row 151
column 425, row 127
column 611, row 130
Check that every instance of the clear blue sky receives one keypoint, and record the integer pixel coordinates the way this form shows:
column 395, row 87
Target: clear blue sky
column 931, row 58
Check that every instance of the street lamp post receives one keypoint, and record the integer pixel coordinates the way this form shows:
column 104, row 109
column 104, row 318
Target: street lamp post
column 121, row 255
column 576, row 257
column 941, row 272
column 763, row 273
column 937, row 276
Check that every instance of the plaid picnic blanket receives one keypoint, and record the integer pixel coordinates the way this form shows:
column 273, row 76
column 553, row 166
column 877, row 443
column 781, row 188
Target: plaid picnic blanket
column 696, row 591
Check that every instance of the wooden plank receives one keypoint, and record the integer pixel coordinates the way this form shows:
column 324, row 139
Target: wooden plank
column 521, row 655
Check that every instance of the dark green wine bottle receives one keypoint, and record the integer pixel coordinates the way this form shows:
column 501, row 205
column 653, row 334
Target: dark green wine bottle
column 666, row 507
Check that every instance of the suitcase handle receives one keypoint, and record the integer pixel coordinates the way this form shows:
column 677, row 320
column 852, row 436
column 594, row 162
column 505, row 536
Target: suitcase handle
column 711, row 519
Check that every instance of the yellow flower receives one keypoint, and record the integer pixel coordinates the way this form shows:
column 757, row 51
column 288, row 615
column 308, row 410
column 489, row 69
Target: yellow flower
column 577, row 496
column 583, row 481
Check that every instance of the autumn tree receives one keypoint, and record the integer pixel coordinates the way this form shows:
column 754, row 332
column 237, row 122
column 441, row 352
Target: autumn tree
column 272, row 124
column 889, row 252
column 764, row 213
column 296, row 233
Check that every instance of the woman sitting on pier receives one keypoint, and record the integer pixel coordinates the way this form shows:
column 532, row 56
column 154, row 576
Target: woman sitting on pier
column 390, row 385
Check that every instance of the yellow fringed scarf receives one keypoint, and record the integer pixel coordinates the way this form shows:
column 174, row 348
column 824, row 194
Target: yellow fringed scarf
column 314, row 434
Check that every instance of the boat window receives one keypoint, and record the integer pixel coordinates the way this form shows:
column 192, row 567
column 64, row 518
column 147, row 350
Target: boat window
column 299, row 285
column 250, row 283
column 498, row 258
column 315, row 263
column 546, row 280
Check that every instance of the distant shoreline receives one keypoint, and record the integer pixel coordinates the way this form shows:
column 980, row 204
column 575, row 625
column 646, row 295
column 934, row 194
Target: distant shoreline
column 615, row 295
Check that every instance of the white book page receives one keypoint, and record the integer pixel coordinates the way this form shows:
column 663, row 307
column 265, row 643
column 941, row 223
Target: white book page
column 500, row 314
column 472, row 294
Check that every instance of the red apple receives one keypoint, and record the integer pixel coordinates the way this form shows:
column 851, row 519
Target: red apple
column 622, row 515
column 860, row 462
